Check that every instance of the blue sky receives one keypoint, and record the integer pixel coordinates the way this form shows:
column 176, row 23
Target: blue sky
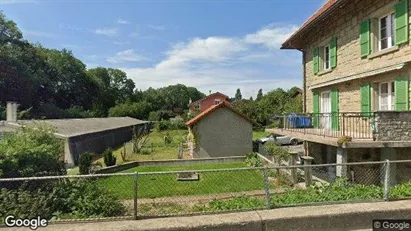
column 217, row 45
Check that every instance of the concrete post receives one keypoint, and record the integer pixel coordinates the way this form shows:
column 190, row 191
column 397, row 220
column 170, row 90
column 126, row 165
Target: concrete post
column 293, row 162
column 390, row 154
column 387, row 180
column 308, row 170
column 341, row 170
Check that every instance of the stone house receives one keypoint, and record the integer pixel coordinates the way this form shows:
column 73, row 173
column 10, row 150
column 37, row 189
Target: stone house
column 220, row 131
column 356, row 68
column 208, row 101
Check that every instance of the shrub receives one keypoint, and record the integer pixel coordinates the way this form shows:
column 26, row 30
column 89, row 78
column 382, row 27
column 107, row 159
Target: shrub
column 31, row 151
column 109, row 158
column 153, row 116
column 163, row 125
column 85, row 163
column 78, row 199
column 344, row 139
column 167, row 138
column 252, row 160
column 401, row 190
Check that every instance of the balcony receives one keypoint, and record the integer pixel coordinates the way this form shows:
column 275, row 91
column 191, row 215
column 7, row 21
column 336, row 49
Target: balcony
column 385, row 128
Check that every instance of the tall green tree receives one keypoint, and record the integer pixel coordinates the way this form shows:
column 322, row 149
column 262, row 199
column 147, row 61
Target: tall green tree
column 259, row 95
column 238, row 95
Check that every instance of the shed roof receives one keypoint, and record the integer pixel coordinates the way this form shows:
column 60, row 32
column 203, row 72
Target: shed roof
column 77, row 127
column 212, row 109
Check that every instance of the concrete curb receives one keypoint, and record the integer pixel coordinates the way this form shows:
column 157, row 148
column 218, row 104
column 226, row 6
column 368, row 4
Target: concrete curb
column 335, row 217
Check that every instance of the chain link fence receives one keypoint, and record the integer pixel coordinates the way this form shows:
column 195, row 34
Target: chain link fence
column 173, row 193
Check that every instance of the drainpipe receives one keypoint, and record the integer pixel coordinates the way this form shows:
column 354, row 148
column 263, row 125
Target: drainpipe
column 304, row 83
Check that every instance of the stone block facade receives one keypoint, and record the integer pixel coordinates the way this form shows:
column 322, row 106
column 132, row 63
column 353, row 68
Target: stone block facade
column 393, row 126
column 344, row 24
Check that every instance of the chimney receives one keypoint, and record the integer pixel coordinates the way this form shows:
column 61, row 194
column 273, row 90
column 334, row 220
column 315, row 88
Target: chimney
column 11, row 111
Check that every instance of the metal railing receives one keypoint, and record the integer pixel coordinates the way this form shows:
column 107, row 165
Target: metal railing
column 156, row 194
column 356, row 125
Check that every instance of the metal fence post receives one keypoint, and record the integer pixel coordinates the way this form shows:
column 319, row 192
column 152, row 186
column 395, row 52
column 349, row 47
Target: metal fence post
column 135, row 194
column 387, row 180
column 266, row 188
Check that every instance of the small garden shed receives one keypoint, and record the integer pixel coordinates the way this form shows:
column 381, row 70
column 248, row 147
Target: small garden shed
column 220, row 131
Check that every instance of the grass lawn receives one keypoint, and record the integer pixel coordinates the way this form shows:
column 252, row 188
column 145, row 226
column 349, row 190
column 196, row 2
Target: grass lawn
column 258, row 135
column 163, row 185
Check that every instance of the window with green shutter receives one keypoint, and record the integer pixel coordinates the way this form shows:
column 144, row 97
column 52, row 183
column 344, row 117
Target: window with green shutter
column 335, row 122
column 402, row 93
column 366, row 100
column 316, row 109
column 401, row 22
column 333, row 52
column 316, row 60
column 365, row 42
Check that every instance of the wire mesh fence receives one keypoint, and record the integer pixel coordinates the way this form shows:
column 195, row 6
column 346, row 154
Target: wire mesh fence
column 174, row 193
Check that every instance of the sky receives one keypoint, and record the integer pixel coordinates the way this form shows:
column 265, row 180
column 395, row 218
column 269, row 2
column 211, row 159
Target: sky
column 213, row 45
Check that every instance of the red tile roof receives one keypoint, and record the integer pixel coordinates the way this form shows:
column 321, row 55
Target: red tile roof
column 208, row 96
column 213, row 109
column 328, row 6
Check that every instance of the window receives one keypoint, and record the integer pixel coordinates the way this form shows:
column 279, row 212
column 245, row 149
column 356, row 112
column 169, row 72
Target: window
column 326, row 58
column 217, row 101
column 386, row 32
column 197, row 106
column 387, row 96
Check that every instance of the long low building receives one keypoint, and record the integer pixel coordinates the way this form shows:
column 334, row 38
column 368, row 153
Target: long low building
column 80, row 135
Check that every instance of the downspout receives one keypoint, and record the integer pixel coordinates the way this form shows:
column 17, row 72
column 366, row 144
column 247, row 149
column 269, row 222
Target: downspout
column 304, row 83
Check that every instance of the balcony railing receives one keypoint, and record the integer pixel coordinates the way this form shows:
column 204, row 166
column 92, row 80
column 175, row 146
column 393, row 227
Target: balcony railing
column 356, row 125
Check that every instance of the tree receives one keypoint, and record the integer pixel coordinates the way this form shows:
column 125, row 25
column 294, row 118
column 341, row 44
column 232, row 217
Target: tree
column 259, row 95
column 140, row 137
column 9, row 32
column 251, row 98
column 238, row 95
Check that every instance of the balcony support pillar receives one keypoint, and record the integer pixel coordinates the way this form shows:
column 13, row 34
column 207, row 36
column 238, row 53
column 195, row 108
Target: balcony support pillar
column 341, row 170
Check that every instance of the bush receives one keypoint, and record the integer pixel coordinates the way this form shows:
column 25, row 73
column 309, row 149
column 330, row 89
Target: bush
column 252, row 160
column 31, row 151
column 109, row 158
column 78, row 199
column 85, row 163
column 153, row 116
column 401, row 190
column 164, row 125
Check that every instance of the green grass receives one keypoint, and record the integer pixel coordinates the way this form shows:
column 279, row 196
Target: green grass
column 163, row 185
column 258, row 135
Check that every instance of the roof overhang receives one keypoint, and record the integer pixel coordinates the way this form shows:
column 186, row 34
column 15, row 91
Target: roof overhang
column 358, row 76
column 295, row 40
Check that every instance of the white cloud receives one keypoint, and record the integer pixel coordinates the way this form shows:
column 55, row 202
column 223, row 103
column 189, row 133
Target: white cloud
column 156, row 27
column 271, row 36
column 122, row 21
column 36, row 33
column 224, row 64
column 4, row 2
column 126, row 56
column 107, row 31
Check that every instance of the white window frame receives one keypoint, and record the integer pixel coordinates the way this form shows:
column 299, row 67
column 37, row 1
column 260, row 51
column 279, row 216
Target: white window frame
column 325, row 61
column 390, row 96
column 390, row 31
column 217, row 101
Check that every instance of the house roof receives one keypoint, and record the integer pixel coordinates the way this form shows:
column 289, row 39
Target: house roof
column 77, row 127
column 208, row 96
column 212, row 109
column 324, row 11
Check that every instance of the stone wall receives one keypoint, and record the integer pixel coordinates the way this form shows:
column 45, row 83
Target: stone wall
column 393, row 126
column 344, row 24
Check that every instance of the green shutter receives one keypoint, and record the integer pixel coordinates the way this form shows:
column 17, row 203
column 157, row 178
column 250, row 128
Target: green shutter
column 335, row 122
column 333, row 52
column 366, row 99
column 316, row 60
column 401, row 93
column 316, row 109
column 401, row 22
column 365, row 38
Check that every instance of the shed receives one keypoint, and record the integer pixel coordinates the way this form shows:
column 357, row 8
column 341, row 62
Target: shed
column 221, row 131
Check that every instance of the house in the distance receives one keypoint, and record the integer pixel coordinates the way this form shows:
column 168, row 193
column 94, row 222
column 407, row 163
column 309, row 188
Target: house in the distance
column 208, row 101
column 220, row 131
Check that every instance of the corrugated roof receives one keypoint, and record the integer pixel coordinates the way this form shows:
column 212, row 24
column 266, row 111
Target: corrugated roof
column 77, row 127
column 327, row 7
column 212, row 109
